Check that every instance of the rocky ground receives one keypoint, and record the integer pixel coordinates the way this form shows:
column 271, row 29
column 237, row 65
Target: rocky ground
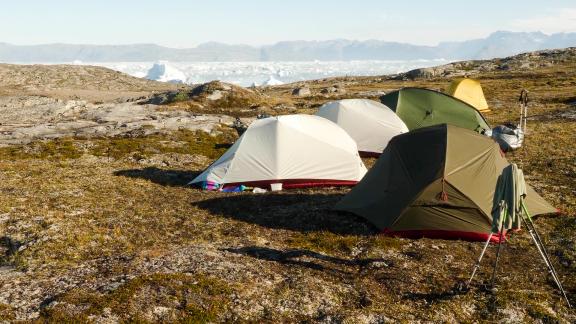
column 97, row 223
column 26, row 119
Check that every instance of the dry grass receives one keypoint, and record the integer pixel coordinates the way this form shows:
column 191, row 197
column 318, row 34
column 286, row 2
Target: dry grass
column 114, row 217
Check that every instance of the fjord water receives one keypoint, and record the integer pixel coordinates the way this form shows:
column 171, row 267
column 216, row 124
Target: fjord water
column 258, row 73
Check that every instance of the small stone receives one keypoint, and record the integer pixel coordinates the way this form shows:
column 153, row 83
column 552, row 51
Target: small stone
column 379, row 264
column 161, row 311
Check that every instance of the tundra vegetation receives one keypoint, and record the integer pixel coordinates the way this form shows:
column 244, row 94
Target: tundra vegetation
column 104, row 228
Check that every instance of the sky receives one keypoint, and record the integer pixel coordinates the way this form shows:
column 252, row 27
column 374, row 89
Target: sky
column 181, row 23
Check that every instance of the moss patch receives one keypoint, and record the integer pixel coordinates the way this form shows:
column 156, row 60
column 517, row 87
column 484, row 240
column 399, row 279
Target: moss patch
column 176, row 297
column 325, row 242
column 183, row 141
column 6, row 313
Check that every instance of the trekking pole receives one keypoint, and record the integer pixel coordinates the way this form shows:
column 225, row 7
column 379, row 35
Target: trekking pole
column 542, row 250
column 525, row 119
column 496, row 262
column 530, row 225
column 548, row 263
column 523, row 110
column 477, row 265
column 503, row 208
column 539, row 239
column 525, row 113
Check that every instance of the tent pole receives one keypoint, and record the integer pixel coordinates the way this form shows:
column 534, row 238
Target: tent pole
column 477, row 265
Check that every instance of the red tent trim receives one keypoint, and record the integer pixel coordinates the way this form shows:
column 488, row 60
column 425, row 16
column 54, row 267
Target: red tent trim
column 295, row 183
column 444, row 235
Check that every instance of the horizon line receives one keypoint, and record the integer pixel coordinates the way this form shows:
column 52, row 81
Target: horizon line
column 279, row 42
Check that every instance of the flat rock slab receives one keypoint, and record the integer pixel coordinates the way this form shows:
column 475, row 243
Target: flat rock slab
column 24, row 119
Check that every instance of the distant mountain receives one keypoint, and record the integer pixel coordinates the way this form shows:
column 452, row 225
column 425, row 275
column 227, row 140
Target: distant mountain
column 124, row 53
column 498, row 44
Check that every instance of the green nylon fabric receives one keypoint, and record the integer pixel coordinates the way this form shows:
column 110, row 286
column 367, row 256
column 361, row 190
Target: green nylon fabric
column 404, row 189
column 423, row 107
column 510, row 193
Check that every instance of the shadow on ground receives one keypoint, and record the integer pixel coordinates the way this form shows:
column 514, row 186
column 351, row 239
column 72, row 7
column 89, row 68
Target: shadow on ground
column 304, row 212
column 294, row 257
column 8, row 248
column 171, row 178
column 433, row 297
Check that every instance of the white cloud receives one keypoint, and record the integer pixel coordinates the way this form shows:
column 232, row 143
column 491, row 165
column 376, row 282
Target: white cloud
column 563, row 20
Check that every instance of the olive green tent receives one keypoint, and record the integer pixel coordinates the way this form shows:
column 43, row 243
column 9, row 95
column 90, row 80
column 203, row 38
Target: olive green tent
column 437, row 181
column 419, row 107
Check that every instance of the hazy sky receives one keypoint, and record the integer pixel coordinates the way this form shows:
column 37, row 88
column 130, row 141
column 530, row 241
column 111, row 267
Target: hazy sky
column 181, row 23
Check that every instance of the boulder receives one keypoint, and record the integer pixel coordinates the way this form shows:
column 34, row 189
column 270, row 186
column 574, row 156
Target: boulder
column 422, row 73
column 302, row 92
column 215, row 91
column 333, row 89
column 215, row 95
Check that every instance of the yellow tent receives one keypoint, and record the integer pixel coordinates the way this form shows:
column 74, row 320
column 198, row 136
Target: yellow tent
column 469, row 91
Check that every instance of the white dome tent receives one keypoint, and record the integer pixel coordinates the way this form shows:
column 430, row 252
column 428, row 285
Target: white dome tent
column 371, row 124
column 294, row 150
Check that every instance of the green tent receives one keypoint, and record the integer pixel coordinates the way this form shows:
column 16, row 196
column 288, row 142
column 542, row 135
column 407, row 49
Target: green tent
column 419, row 108
column 437, row 181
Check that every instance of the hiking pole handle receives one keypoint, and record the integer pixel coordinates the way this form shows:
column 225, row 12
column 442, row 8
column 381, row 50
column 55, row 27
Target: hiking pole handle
column 523, row 97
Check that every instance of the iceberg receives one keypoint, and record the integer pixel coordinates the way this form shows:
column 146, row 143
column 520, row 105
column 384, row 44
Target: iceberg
column 272, row 81
column 247, row 73
column 164, row 72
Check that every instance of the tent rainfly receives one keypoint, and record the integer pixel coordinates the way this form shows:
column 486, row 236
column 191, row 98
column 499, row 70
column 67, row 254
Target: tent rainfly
column 469, row 91
column 295, row 150
column 369, row 123
column 436, row 182
column 419, row 108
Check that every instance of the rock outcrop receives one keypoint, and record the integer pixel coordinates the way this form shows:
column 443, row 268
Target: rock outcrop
column 525, row 61
column 24, row 119
column 302, row 92
column 333, row 89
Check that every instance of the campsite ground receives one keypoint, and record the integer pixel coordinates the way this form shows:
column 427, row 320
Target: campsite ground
column 103, row 228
